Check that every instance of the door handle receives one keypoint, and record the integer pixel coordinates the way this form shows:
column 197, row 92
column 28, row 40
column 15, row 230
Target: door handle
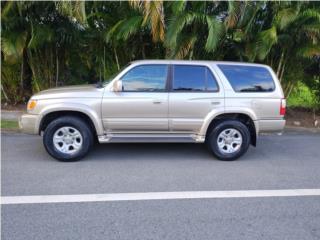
column 215, row 103
column 157, row 101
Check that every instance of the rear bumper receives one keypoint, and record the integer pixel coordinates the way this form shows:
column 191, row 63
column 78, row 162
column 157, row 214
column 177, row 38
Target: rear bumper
column 265, row 126
column 29, row 123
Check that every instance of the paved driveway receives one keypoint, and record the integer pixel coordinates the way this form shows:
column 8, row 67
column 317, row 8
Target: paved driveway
column 287, row 162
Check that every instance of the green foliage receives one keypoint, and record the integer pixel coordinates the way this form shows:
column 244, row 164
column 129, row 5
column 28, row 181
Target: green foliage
column 49, row 44
column 10, row 83
column 8, row 124
column 302, row 96
column 12, row 45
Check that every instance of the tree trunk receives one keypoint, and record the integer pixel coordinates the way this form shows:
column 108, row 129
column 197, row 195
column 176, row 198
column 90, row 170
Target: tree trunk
column 280, row 63
column 282, row 71
column 191, row 55
column 143, row 51
column 21, row 74
column 4, row 93
column 116, row 56
column 290, row 90
column 57, row 67
column 104, row 62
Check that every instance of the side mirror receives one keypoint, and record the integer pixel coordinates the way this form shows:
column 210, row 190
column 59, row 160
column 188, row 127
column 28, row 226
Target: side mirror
column 117, row 86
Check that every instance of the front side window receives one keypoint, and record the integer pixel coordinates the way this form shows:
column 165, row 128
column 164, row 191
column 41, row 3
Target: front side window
column 145, row 78
column 248, row 78
column 193, row 78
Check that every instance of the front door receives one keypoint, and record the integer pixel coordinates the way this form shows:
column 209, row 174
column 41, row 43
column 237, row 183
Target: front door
column 142, row 105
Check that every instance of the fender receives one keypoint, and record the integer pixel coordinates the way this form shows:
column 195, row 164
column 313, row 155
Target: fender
column 76, row 107
column 219, row 111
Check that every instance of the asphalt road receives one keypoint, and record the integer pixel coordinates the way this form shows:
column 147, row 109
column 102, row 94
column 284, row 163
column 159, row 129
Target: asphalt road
column 290, row 161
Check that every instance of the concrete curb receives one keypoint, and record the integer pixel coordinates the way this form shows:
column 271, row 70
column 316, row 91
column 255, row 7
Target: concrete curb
column 11, row 115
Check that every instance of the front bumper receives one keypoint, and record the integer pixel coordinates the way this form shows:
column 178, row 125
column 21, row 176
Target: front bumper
column 29, row 123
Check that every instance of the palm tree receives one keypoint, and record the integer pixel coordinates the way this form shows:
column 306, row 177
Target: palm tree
column 193, row 22
column 153, row 14
column 14, row 37
column 137, row 26
column 44, row 44
column 295, row 28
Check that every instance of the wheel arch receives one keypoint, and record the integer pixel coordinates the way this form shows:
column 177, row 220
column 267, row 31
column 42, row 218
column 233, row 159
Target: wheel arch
column 48, row 117
column 242, row 117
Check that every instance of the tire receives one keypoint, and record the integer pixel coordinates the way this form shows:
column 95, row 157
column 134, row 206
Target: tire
column 224, row 140
column 74, row 138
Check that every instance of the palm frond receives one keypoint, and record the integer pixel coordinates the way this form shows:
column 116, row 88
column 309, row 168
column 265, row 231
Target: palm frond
column 250, row 51
column 186, row 44
column 175, row 27
column 137, row 4
column 309, row 51
column 178, row 6
column 40, row 35
column 73, row 9
column 112, row 33
column 266, row 39
column 285, row 17
column 234, row 12
column 126, row 28
column 216, row 30
column 9, row 5
column 311, row 13
column 311, row 28
column 13, row 45
column 154, row 13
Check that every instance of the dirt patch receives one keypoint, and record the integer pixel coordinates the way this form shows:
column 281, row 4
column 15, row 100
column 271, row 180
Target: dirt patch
column 300, row 117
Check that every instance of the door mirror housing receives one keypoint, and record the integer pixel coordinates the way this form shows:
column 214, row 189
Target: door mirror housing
column 117, row 86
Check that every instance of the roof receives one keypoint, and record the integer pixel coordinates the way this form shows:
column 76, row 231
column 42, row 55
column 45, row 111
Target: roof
column 207, row 62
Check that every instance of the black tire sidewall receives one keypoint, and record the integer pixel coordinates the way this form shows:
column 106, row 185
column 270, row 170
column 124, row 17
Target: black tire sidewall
column 213, row 145
column 76, row 123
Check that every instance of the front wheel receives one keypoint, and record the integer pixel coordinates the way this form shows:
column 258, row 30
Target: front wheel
column 229, row 140
column 68, row 138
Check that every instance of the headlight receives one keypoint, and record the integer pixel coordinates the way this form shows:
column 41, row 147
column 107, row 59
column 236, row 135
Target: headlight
column 31, row 104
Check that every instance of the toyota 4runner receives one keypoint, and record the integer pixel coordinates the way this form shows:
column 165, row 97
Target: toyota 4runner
column 223, row 104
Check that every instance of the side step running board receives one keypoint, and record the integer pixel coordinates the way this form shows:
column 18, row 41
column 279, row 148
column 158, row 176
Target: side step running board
column 146, row 138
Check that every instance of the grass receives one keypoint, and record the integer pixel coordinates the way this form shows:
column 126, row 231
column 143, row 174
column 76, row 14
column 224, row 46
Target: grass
column 301, row 96
column 9, row 124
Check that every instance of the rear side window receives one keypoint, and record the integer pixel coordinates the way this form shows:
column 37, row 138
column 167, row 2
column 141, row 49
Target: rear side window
column 193, row 78
column 248, row 78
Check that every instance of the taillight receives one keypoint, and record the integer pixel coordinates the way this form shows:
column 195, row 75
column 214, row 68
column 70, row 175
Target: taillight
column 283, row 107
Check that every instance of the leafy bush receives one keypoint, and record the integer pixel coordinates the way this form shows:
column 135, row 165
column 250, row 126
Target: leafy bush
column 302, row 96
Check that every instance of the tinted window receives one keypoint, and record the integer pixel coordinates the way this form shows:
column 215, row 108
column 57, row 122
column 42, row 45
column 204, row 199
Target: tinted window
column 211, row 81
column 145, row 78
column 193, row 78
column 248, row 78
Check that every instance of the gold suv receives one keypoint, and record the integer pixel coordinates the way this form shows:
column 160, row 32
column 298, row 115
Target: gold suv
column 223, row 104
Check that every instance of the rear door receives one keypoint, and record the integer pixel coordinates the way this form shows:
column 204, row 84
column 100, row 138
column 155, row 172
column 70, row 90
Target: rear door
column 194, row 92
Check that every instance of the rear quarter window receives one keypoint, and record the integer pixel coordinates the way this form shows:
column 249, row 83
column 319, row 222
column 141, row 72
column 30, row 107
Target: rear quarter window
column 248, row 78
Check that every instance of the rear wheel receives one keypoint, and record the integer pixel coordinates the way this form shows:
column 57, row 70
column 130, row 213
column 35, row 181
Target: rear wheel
column 229, row 140
column 68, row 138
